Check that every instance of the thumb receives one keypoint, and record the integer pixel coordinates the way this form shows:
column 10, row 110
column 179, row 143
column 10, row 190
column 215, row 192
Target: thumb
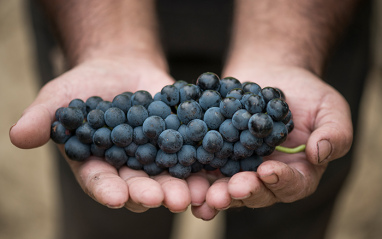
column 33, row 128
column 333, row 131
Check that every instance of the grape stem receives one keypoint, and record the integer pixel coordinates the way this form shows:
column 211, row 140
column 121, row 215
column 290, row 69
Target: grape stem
column 287, row 150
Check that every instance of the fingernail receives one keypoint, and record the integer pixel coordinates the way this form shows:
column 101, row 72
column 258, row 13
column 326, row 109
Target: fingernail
column 115, row 207
column 324, row 149
column 270, row 179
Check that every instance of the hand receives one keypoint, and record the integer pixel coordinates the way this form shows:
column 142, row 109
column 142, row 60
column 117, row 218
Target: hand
column 128, row 188
column 322, row 122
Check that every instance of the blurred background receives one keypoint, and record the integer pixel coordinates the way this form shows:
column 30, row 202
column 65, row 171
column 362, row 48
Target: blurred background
column 28, row 194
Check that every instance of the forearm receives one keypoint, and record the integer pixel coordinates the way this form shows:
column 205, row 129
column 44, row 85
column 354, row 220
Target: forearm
column 279, row 32
column 92, row 28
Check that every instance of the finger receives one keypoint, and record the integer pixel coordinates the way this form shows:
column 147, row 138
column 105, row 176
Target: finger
column 247, row 187
column 144, row 192
column 33, row 128
column 290, row 181
column 333, row 131
column 218, row 196
column 204, row 212
column 177, row 196
column 198, row 185
column 101, row 181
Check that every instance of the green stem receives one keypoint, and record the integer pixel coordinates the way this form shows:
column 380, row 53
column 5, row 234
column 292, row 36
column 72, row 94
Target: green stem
column 298, row 149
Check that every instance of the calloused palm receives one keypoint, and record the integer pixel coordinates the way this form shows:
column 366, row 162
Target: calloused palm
column 322, row 122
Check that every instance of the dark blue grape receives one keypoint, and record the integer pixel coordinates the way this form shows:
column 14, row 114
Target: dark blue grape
column 180, row 171
column 228, row 131
column 260, row 125
column 249, row 140
column 139, row 137
column 172, row 122
column 92, row 102
column 196, row 167
column 290, row 125
column 131, row 149
column 122, row 135
column 58, row 112
column 269, row 93
column 114, row 116
column 213, row 118
column 203, row 156
column 187, row 155
column 157, row 96
column 208, row 167
column 104, row 105
column 188, row 111
column 282, row 95
column 85, row 133
column 75, row 150
column 159, row 108
column 96, row 151
column 208, row 81
column 133, row 163
column 254, row 104
column 196, row 129
column 152, row 169
column 136, row 115
column 58, row 133
column 78, row 103
column 102, row 138
column 236, row 93
column 183, row 131
column 277, row 109
column 218, row 162
column 227, row 84
column 122, row 101
column 278, row 135
column 96, row 118
column 240, row 119
column 153, row 127
column 127, row 93
column 209, row 98
column 226, row 151
column 170, row 141
column 253, row 88
column 189, row 92
column 166, row 160
column 228, row 106
column 264, row 150
column 240, row 150
column 230, row 168
column 170, row 95
column 212, row 141
column 71, row 118
column 116, row 156
column 251, row 163
column 180, row 84
column 146, row 153
column 141, row 97
column 288, row 117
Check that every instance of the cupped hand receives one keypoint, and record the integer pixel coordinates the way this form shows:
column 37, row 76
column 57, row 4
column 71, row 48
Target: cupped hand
column 322, row 121
column 114, row 188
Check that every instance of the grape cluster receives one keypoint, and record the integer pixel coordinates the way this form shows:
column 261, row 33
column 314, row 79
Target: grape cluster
column 213, row 124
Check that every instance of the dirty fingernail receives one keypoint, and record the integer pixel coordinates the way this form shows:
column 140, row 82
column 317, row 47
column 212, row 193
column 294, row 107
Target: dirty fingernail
column 324, row 149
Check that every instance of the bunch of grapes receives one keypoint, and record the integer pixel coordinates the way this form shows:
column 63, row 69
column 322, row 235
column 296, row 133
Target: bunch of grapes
column 213, row 124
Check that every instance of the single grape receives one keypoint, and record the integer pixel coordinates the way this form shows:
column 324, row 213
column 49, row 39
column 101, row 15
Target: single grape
column 260, row 125
column 141, row 97
column 249, row 140
column 136, row 115
column 290, row 125
column 189, row 92
column 213, row 118
column 270, row 93
column 180, row 171
column 218, row 162
column 288, row 117
column 78, row 103
column 187, row 155
column 172, row 122
column 228, row 106
column 133, row 163
column 196, row 129
column 209, row 98
column 170, row 141
column 180, row 84
column 251, row 163
column 226, row 151
column 254, row 104
column 139, row 137
column 85, row 133
column 264, row 150
column 251, row 87
column 159, row 108
column 278, row 134
column 240, row 150
column 152, row 169
column 75, row 150
column 114, row 116
column 212, row 141
column 122, row 135
column 203, row 156
column 122, row 101
column 170, row 95
column 71, row 118
column 277, row 109
column 229, row 132
column 92, row 102
column 183, row 131
column 104, row 105
column 96, row 118
column 236, row 93
column 116, row 156
column 102, row 138
column 58, row 112
column 153, row 127
column 146, row 153
column 230, row 168
column 188, row 111
column 58, row 133
column 96, row 151
column 131, row 149
column 166, row 160
column 240, row 119
column 208, row 81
